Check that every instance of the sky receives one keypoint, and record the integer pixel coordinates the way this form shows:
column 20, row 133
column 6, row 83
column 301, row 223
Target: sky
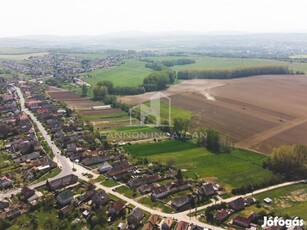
column 98, row 17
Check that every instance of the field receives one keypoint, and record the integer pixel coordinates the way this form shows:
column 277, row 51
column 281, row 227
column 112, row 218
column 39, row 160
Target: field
column 11, row 50
column 291, row 200
column 204, row 62
column 131, row 73
column 231, row 170
column 258, row 113
column 74, row 100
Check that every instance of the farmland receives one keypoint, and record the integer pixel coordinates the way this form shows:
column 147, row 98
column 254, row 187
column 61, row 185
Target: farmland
column 131, row 73
column 258, row 113
column 192, row 159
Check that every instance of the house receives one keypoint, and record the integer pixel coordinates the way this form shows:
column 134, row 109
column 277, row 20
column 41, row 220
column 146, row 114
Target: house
column 64, row 211
column 207, row 190
column 146, row 179
column 237, row 205
column 121, row 167
column 221, row 215
column 71, row 147
column 180, row 202
column 159, row 192
column 250, row 201
column 62, row 182
column 27, row 192
column 116, row 208
column 151, row 223
column 95, row 160
column 135, row 218
column 144, row 189
column 3, row 205
column 244, row 222
column 27, row 157
column 104, row 167
column 182, row 225
column 86, row 196
column 100, row 199
column 195, row 227
column 65, row 197
column 167, row 224
column 5, row 183
column 13, row 213
column 32, row 201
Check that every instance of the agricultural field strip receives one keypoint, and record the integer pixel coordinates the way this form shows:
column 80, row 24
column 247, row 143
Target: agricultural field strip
column 260, row 137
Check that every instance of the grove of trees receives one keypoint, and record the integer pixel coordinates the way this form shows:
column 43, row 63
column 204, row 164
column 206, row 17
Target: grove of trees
column 290, row 161
column 232, row 73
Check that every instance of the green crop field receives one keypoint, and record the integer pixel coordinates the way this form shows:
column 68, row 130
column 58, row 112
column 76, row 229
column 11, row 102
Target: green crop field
column 165, row 111
column 291, row 200
column 131, row 73
column 233, row 169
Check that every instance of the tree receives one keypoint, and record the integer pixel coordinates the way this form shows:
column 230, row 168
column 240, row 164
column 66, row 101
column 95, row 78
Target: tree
column 99, row 91
column 181, row 125
column 84, row 90
column 213, row 140
column 179, row 175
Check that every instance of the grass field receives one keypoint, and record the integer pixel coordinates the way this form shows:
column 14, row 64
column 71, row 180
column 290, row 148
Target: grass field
column 204, row 62
column 128, row 192
column 291, row 200
column 233, row 169
column 165, row 111
column 155, row 205
column 131, row 73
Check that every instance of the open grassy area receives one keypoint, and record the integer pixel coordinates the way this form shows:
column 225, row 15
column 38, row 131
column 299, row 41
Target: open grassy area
column 155, row 205
column 165, row 111
column 11, row 50
column 234, row 169
column 291, row 200
column 128, row 192
column 109, row 183
column 131, row 73
column 48, row 175
column 101, row 116
column 205, row 62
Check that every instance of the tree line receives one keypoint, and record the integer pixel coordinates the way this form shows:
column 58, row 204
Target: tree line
column 232, row 73
column 160, row 65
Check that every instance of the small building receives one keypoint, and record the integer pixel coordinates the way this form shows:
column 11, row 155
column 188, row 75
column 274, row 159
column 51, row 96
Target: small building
column 237, row 204
column 135, row 217
column 244, row 222
column 62, row 182
column 152, row 222
column 27, row 192
column 207, row 190
column 100, row 199
column 268, row 200
column 104, row 167
column 160, row 192
column 167, row 223
column 116, row 208
column 3, row 205
column 182, row 225
column 65, row 197
column 181, row 202
column 221, row 215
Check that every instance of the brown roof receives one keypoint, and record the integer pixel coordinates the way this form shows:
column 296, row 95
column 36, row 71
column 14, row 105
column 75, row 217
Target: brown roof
column 237, row 204
column 182, row 225
column 118, row 205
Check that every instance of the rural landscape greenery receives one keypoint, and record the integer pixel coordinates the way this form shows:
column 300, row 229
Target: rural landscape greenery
column 169, row 130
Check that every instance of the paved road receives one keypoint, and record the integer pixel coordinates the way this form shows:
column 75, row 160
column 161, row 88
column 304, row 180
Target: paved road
column 66, row 165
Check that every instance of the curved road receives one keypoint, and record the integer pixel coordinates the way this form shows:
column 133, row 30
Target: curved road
column 66, row 166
